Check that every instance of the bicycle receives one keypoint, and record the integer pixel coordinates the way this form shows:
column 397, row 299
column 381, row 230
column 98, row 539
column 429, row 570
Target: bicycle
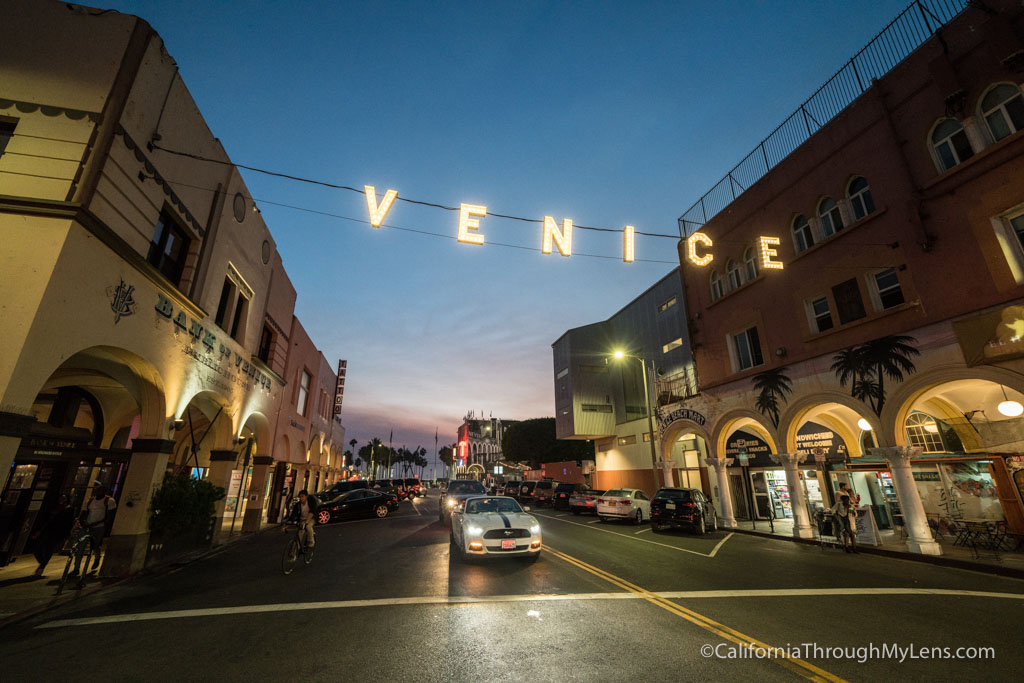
column 81, row 548
column 294, row 549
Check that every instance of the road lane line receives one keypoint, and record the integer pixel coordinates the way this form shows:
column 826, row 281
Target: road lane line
column 643, row 540
column 552, row 597
column 641, row 531
column 795, row 664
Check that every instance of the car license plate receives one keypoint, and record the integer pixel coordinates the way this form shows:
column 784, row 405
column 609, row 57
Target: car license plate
column 670, row 506
column 508, row 544
column 611, row 503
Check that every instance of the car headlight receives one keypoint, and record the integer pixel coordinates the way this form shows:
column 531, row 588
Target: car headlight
column 474, row 530
column 451, row 502
column 535, row 529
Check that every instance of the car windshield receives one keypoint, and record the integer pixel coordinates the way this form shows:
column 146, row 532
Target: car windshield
column 494, row 505
column 620, row 493
column 674, row 494
column 465, row 486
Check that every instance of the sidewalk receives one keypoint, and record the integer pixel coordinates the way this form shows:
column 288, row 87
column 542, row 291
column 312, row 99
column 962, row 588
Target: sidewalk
column 23, row 594
column 1002, row 562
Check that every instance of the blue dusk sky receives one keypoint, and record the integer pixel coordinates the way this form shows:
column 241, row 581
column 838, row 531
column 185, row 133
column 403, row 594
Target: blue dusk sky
column 606, row 113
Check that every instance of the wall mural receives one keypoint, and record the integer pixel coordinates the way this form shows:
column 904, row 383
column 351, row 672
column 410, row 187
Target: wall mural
column 772, row 387
column 866, row 367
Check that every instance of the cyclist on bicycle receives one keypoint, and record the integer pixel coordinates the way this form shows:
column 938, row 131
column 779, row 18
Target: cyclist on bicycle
column 303, row 513
column 93, row 520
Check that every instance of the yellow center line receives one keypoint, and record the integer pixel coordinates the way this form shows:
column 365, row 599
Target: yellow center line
column 795, row 664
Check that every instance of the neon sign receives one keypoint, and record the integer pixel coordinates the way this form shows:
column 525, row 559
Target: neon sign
column 765, row 245
column 469, row 225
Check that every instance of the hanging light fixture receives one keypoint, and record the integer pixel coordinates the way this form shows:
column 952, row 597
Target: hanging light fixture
column 864, row 424
column 1009, row 408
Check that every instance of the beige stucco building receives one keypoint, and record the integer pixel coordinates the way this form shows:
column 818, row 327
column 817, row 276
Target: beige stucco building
column 146, row 314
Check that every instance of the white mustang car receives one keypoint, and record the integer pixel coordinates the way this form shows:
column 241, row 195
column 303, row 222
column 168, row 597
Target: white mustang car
column 493, row 526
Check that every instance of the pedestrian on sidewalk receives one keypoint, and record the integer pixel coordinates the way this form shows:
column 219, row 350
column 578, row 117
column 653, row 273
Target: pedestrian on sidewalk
column 845, row 517
column 94, row 520
column 53, row 534
column 845, row 490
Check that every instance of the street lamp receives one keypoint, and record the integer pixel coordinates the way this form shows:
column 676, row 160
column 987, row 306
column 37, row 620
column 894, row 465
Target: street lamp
column 619, row 355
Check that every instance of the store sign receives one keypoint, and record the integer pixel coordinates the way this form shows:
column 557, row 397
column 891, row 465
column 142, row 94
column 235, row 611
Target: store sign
column 698, row 251
column 749, row 448
column 122, row 301
column 681, row 414
column 339, row 390
column 216, row 353
column 820, row 444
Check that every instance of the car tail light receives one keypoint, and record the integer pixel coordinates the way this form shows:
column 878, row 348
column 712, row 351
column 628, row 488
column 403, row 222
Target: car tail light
column 689, row 505
column 600, row 500
column 625, row 502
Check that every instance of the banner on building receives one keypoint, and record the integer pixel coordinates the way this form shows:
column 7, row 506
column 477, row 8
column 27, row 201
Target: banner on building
column 820, row 444
column 339, row 391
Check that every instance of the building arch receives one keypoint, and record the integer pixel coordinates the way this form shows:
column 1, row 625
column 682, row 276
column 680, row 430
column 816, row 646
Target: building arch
column 837, row 410
column 741, row 418
column 952, row 393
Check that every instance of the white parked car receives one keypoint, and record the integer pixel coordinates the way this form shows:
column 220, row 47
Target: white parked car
column 632, row 504
column 494, row 526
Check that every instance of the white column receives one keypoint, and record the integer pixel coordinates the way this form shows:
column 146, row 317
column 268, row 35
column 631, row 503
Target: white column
column 728, row 517
column 801, row 521
column 919, row 534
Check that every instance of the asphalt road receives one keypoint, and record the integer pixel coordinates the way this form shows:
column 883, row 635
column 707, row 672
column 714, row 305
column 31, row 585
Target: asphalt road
column 605, row 602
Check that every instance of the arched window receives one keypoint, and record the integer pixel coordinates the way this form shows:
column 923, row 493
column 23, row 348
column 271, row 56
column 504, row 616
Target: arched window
column 950, row 144
column 803, row 239
column 831, row 219
column 732, row 271
column 716, row 286
column 860, row 198
column 750, row 262
column 922, row 431
column 1003, row 109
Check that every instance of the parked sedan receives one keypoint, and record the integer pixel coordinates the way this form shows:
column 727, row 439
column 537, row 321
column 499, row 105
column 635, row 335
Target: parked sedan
column 494, row 526
column 357, row 503
column 687, row 508
column 632, row 504
column 584, row 501
column 563, row 492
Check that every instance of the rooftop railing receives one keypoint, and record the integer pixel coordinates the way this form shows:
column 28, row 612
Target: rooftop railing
column 904, row 34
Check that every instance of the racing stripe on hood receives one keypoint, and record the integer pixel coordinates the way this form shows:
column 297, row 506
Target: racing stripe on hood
column 508, row 524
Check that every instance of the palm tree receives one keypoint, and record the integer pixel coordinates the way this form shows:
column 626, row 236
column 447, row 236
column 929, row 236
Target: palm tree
column 866, row 367
column 772, row 387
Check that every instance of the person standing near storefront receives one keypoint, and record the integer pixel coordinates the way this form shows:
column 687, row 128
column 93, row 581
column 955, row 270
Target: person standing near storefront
column 94, row 521
column 845, row 490
column 53, row 534
column 845, row 515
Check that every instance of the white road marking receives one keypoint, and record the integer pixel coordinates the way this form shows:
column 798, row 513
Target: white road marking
column 594, row 522
column 641, row 531
column 562, row 515
column 467, row 599
column 416, row 508
column 713, row 552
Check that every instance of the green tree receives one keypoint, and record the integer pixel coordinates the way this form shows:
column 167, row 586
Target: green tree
column 183, row 506
column 533, row 441
column 772, row 387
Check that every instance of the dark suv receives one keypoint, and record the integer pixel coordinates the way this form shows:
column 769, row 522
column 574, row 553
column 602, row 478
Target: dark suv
column 457, row 491
column 563, row 492
column 525, row 495
column 688, row 508
column 544, row 492
column 415, row 487
column 512, row 488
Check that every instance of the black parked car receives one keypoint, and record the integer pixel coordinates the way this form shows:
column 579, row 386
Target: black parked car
column 688, row 508
column 356, row 503
column 563, row 492
column 525, row 496
column 345, row 487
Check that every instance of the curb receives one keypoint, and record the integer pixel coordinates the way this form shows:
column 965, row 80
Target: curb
column 155, row 570
column 895, row 554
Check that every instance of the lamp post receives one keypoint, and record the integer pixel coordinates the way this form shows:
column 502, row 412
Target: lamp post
column 650, row 413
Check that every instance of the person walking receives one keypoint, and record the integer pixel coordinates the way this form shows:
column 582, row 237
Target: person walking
column 53, row 534
column 845, row 516
column 94, row 521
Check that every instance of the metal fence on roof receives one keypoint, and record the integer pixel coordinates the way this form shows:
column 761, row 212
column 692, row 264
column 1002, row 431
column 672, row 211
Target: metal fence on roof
column 904, row 34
